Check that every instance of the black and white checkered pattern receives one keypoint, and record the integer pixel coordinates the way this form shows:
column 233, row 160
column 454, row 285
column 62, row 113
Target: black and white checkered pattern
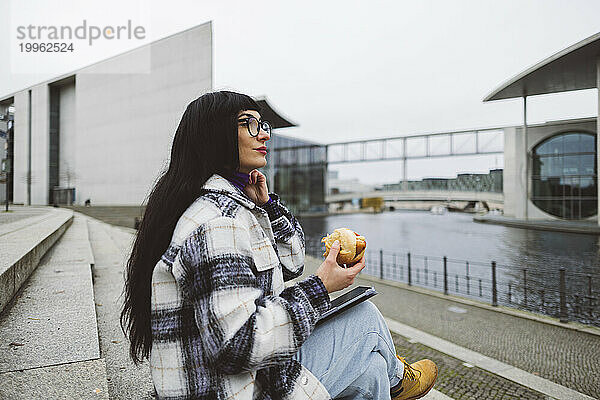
column 223, row 325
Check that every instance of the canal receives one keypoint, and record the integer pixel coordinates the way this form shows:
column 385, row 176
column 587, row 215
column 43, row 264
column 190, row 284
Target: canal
column 527, row 261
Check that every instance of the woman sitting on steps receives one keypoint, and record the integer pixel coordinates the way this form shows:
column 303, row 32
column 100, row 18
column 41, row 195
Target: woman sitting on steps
column 204, row 293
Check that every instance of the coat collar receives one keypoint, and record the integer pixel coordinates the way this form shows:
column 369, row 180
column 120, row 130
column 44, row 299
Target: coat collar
column 218, row 184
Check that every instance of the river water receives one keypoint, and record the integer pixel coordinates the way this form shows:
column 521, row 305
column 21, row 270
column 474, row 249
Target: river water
column 527, row 260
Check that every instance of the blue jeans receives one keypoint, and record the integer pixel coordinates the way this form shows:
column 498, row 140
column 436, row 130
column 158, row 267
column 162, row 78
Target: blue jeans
column 353, row 355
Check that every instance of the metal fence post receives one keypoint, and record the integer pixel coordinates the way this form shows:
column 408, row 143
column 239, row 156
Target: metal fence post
column 577, row 305
column 563, row 297
column 381, row 264
column 494, row 288
column 524, row 288
column 445, row 275
column 542, row 299
column 409, row 274
column 468, row 283
column 590, row 297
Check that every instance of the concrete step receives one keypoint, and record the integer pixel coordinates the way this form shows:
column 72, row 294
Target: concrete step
column 18, row 217
column 80, row 380
column 111, row 246
column 49, row 334
column 23, row 243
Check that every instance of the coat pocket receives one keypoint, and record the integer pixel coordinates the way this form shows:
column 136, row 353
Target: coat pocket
column 264, row 255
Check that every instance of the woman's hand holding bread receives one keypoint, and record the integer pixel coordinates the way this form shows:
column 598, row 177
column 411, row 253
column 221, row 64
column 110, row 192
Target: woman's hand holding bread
column 343, row 246
column 334, row 276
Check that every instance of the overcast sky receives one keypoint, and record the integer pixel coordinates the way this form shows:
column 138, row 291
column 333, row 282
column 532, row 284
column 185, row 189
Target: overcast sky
column 347, row 70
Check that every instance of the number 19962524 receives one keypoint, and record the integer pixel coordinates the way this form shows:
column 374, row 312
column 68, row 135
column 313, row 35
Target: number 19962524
column 45, row 47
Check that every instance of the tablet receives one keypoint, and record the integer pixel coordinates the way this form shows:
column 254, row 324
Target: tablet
column 347, row 300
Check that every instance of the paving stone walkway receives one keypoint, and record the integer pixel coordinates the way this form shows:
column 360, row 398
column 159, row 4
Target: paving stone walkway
column 460, row 381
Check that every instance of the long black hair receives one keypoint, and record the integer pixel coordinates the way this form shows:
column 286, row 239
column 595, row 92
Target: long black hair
column 205, row 143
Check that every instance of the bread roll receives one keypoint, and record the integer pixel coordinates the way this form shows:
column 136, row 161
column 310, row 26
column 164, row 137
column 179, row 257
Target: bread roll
column 352, row 245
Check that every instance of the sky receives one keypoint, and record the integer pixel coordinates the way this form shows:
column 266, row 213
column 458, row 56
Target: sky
column 349, row 70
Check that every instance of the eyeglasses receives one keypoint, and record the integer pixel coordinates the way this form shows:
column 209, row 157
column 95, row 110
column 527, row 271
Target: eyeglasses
column 253, row 125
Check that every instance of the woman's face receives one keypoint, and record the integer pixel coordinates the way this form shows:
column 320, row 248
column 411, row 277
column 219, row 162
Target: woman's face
column 250, row 158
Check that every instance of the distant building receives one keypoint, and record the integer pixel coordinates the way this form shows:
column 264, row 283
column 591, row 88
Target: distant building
column 491, row 182
column 336, row 185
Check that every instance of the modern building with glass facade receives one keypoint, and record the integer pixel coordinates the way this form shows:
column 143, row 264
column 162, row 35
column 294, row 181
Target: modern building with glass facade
column 551, row 169
column 561, row 171
column 300, row 172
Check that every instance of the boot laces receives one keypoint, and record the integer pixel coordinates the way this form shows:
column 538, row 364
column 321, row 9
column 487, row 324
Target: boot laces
column 409, row 371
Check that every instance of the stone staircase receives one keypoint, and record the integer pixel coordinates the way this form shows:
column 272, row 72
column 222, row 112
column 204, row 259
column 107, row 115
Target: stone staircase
column 61, row 276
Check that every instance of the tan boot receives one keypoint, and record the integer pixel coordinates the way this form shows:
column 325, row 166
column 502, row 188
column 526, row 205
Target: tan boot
column 418, row 380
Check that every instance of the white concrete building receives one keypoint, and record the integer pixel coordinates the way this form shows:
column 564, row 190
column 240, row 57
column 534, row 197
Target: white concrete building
column 103, row 133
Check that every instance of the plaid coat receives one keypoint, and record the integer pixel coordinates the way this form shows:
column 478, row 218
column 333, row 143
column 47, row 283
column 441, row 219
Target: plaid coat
column 223, row 325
